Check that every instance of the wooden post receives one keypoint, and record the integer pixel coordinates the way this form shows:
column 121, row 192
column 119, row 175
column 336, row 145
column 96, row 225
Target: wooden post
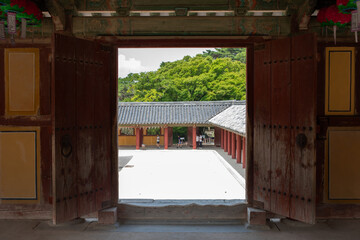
column 166, row 138
column 222, row 139
column 229, row 143
column 194, row 137
column 225, row 141
column 189, row 135
column 233, row 146
column 217, row 138
column 137, row 133
column 170, row 136
column 141, row 136
column 244, row 152
column 238, row 149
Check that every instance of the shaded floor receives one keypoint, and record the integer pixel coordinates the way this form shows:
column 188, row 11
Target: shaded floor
column 31, row 230
column 177, row 174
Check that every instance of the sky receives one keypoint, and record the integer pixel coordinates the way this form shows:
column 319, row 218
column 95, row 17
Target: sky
column 135, row 60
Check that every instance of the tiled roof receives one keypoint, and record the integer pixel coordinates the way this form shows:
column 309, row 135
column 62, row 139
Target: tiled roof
column 171, row 113
column 232, row 119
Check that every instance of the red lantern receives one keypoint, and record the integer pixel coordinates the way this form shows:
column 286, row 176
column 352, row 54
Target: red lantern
column 334, row 17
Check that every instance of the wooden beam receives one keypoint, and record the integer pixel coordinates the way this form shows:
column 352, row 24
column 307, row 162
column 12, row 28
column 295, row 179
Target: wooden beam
column 181, row 26
column 57, row 13
column 301, row 13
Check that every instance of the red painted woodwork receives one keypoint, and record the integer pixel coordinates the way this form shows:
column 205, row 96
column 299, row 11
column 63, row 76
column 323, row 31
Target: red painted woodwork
column 170, row 136
column 194, row 137
column 217, row 140
column 233, row 145
column 222, row 139
column 81, row 128
column 284, row 107
column 244, row 152
column 141, row 136
column 138, row 137
column 190, row 135
column 229, row 143
column 166, row 137
column 225, row 141
column 238, row 149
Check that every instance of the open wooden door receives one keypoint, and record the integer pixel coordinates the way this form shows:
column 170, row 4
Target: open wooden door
column 284, row 127
column 81, row 113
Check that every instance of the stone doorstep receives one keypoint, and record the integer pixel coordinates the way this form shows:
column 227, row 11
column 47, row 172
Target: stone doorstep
column 107, row 216
column 256, row 217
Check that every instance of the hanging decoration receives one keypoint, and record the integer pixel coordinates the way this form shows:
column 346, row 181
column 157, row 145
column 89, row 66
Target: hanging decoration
column 355, row 23
column 331, row 16
column 346, row 6
column 22, row 13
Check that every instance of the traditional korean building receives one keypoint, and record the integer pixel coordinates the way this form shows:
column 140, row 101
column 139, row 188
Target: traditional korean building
column 58, row 107
column 140, row 116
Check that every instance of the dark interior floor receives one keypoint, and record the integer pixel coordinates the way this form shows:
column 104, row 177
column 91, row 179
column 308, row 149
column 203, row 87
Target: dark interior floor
column 89, row 230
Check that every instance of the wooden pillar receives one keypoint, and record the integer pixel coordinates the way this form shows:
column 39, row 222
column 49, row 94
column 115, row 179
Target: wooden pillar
column 138, row 137
column 229, row 143
column 170, row 136
column 222, row 139
column 233, row 146
column 217, row 139
column 225, row 141
column 189, row 136
column 141, row 136
column 194, row 137
column 244, row 152
column 238, row 149
column 166, row 137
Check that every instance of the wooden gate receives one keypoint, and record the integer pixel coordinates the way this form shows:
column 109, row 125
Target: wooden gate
column 284, row 126
column 81, row 127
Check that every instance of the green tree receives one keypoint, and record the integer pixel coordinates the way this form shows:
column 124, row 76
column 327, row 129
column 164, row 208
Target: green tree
column 213, row 75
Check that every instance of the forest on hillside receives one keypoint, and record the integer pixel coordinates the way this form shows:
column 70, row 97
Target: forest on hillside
column 218, row 74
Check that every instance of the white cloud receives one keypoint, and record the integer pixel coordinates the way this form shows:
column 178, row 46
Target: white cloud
column 130, row 65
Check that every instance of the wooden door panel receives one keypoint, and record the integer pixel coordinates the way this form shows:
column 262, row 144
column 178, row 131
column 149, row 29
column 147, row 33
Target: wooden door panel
column 284, row 149
column 64, row 168
column 280, row 124
column 303, row 117
column 262, row 123
column 102, row 130
column 280, row 82
column 82, row 115
column 85, row 136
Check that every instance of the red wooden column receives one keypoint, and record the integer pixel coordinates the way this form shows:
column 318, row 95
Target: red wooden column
column 233, row 147
column 222, row 139
column 229, row 143
column 141, row 136
column 238, row 149
column 194, row 137
column 189, row 135
column 244, row 152
column 138, row 137
column 166, row 137
column 225, row 141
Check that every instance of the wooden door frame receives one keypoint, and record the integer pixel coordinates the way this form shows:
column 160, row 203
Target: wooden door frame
column 200, row 42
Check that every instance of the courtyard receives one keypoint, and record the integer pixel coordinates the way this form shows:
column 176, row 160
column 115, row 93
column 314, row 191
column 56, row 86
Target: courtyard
column 186, row 175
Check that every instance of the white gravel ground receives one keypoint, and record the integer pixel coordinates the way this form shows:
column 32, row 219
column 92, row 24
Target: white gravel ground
column 178, row 174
